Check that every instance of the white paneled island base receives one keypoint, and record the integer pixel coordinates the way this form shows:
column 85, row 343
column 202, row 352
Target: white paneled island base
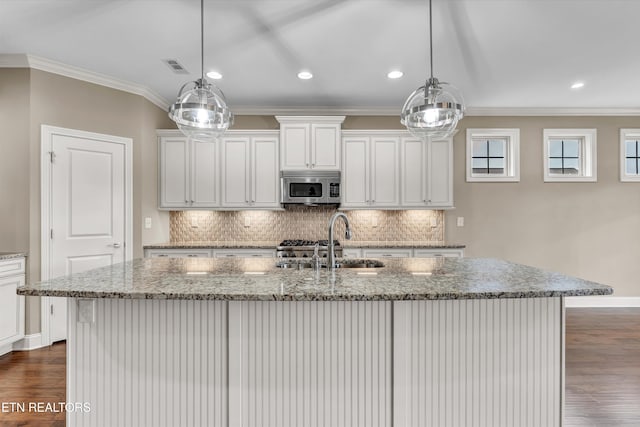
column 468, row 362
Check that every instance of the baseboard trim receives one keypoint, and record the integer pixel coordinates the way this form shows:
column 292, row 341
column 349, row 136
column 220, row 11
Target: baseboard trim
column 29, row 342
column 602, row 301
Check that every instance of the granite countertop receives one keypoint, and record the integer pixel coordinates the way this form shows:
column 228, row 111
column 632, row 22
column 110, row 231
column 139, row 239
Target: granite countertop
column 10, row 255
column 260, row 279
column 418, row 244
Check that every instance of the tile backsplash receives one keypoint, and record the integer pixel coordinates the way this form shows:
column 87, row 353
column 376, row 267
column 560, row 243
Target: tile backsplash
column 305, row 223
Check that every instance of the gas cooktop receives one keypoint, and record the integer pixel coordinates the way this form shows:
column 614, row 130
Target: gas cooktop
column 311, row 243
column 298, row 248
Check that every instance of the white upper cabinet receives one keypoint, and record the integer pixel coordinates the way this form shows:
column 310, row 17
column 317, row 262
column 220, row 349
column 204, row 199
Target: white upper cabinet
column 370, row 176
column 427, row 173
column 188, row 172
column 384, row 169
column 250, row 172
column 310, row 142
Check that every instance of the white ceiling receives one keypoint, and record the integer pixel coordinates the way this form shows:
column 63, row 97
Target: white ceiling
column 500, row 53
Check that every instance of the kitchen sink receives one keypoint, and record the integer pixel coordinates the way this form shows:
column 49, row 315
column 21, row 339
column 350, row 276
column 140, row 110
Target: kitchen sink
column 347, row 263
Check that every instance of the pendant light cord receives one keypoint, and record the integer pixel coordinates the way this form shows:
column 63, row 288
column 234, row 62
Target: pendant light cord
column 431, row 38
column 202, row 38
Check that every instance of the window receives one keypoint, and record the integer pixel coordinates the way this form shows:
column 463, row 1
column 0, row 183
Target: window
column 493, row 155
column 630, row 155
column 570, row 155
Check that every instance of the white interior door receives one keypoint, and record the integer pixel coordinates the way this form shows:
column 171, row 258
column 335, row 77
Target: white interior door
column 88, row 210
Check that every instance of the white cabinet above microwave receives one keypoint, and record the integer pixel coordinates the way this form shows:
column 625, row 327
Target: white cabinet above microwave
column 310, row 142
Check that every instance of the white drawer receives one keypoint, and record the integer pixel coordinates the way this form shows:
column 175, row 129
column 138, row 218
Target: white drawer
column 244, row 253
column 436, row 253
column 177, row 253
column 388, row 253
column 11, row 267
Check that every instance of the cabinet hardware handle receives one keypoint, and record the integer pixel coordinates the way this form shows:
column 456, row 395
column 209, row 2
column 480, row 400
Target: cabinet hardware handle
column 186, row 201
column 162, row 255
column 115, row 245
column 192, row 255
column 230, row 255
column 192, row 201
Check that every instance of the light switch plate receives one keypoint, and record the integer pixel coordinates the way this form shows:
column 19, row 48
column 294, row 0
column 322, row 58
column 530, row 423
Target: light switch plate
column 434, row 222
column 460, row 222
column 194, row 222
column 247, row 221
column 147, row 222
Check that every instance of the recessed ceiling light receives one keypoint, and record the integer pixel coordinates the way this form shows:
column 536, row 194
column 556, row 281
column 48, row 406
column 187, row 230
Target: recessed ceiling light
column 305, row 75
column 395, row 74
column 214, row 75
column 577, row 85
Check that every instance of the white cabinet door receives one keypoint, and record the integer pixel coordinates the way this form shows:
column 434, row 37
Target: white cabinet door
column 204, row 174
column 265, row 173
column 440, row 170
column 427, row 173
column 294, row 146
column 174, row 172
column 250, row 174
column 325, row 146
column 310, row 142
column 385, row 175
column 236, row 172
column 355, row 175
column 387, row 253
column 413, row 182
column 11, row 310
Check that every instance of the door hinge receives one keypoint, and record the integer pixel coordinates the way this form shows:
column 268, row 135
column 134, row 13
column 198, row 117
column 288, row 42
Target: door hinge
column 51, row 233
column 52, row 156
column 51, row 307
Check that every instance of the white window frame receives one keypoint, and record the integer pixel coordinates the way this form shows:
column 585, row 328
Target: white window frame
column 588, row 154
column 624, row 134
column 511, row 156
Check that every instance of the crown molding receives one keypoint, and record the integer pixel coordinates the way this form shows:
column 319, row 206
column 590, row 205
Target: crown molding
column 550, row 111
column 471, row 111
column 314, row 111
column 50, row 66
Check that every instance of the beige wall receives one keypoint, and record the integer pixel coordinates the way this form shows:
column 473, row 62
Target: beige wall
column 14, row 159
column 45, row 98
column 590, row 230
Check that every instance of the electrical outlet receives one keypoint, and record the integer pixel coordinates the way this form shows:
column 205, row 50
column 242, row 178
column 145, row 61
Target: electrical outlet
column 374, row 221
column 194, row 222
column 247, row 221
column 147, row 222
column 460, row 222
column 434, row 222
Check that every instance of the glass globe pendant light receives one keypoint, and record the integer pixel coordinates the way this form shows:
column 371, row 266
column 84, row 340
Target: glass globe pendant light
column 201, row 112
column 432, row 111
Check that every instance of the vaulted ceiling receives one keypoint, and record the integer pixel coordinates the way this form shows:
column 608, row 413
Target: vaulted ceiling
column 499, row 53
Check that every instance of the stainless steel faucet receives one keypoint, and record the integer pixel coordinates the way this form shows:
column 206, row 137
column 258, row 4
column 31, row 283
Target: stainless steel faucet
column 331, row 262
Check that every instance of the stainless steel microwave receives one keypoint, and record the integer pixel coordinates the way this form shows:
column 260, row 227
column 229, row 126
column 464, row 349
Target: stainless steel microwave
column 310, row 187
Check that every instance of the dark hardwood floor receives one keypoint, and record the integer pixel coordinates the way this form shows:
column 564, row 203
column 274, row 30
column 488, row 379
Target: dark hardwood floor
column 602, row 367
column 33, row 376
column 602, row 376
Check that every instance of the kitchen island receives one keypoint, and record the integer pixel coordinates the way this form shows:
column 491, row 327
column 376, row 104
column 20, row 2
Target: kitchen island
column 240, row 342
